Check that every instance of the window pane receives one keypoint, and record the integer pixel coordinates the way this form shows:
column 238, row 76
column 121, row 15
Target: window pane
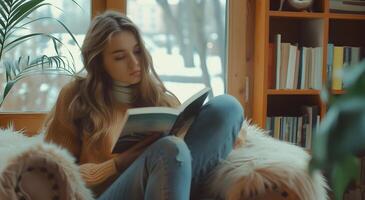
column 187, row 41
column 39, row 92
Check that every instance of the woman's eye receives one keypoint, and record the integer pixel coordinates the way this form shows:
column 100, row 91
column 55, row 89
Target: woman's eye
column 120, row 58
column 137, row 51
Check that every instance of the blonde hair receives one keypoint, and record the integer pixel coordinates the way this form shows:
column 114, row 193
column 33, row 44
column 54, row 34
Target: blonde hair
column 91, row 108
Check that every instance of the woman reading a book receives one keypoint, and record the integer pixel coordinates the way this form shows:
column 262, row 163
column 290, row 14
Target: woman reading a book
column 120, row 75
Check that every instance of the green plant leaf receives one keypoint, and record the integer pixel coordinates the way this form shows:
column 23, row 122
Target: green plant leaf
column 4, row 11
column 3, row 26
column 68, row 31
column 14, row 8
column 17, row 41
column 78, row 5
column 23, row 38
column 9, row 2
column 342, row 174
column 4, row 7
column 25, row 10
column 2, row 34
column 7, row 88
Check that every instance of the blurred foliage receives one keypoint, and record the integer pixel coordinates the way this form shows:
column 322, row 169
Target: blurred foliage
column 341, row 135
column 15, row 23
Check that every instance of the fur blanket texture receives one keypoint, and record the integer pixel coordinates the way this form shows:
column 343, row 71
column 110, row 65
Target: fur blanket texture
column 259, row 165
column 18, row 150
column 263, row 163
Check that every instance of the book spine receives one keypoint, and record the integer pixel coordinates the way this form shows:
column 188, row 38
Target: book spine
column 329, row 61
column 337, row 68
column 278, row 60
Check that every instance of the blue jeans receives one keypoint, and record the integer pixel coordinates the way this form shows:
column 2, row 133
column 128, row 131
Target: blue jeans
column 174, row 169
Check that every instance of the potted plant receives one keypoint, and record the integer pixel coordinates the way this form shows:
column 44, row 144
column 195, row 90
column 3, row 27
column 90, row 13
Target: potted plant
column 16, row 16
column 341, row 135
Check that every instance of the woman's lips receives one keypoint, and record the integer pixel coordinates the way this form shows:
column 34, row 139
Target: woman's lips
column 135, row 73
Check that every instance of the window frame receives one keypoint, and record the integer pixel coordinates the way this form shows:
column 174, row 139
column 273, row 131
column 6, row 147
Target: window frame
column 237, row 59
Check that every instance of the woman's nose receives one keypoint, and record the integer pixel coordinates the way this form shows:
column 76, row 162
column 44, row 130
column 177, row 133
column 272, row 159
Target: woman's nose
column 134, row 59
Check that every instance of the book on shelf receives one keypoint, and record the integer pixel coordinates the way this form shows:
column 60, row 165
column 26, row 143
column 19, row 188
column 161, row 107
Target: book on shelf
column 347, row 6
column 296, row 67
column 141, row 122
column 329, row 60
column 295, row 129
column 277, row 60
column 338, row 59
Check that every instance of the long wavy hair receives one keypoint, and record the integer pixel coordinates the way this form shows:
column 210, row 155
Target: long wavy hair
column 92, row 107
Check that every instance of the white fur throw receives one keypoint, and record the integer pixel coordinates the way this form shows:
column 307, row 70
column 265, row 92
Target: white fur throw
column 259, row 165
column 17, row 149
column 263, row 163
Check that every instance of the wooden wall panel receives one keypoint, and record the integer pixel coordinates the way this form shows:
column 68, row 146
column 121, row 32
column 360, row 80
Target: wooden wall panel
column 30, row 123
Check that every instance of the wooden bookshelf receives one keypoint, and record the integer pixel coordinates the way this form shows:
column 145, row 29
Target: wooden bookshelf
column 315, row 29
column 292, row 92
column 338, row 91
column 273, row 13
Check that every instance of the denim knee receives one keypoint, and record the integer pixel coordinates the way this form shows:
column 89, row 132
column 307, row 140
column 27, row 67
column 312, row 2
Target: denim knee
column 225, row 108
column 174, row 148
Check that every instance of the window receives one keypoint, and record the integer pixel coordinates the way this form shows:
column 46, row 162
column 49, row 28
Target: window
column 187, row 41
column 39, row 93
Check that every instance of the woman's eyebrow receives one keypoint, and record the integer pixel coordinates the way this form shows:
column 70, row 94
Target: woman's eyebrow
column 118, row 51
column 123, row 50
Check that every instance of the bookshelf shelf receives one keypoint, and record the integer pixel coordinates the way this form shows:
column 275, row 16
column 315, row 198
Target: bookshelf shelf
column 338, row 91
column 346, row 16
column 292, row 92
column 289, row 14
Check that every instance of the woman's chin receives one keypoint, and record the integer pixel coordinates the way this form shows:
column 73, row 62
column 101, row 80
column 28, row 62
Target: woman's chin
column 135, row 82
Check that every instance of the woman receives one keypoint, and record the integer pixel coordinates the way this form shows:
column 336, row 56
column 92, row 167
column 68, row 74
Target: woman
column 120, row 75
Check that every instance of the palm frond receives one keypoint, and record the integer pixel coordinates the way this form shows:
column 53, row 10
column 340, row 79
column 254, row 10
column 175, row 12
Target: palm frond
column 2, row 24
column 14, row 16
column 41, row 65
column 23, row 13
column 14, row 8
column 8, row 86
column 4, row 10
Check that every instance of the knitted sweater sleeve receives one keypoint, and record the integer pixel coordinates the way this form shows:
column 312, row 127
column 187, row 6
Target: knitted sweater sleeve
column 62, row 132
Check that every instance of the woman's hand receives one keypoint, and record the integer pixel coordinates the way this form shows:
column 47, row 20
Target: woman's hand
column 128, row 157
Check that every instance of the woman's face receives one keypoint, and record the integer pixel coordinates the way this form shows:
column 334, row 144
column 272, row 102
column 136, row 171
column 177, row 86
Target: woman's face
column 122, row 57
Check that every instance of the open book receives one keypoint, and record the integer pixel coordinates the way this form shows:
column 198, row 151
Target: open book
column 141, row 122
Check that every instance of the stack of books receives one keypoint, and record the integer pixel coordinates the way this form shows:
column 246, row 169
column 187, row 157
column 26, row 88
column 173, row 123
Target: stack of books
column 338, row 59
column 295, row 129
column 294, row 67
column 347, row 6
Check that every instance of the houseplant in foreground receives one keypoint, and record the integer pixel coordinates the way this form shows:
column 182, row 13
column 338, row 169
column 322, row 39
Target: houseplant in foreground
column 341, row 134
column 15, row 19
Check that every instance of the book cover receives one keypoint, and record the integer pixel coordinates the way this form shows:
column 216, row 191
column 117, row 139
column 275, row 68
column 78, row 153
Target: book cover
column 302, row 68
column 347, row 6
column 355, row 56
column 278, row 60
column 318, row 68
column 142, row 122
column 329, row 61
column 289, row 84
column 285, row 49
column 337, row 68
column 308, row 68
column 296, row 73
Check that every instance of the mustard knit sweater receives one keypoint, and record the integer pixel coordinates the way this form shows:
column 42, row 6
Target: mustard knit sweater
column 97, row 164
